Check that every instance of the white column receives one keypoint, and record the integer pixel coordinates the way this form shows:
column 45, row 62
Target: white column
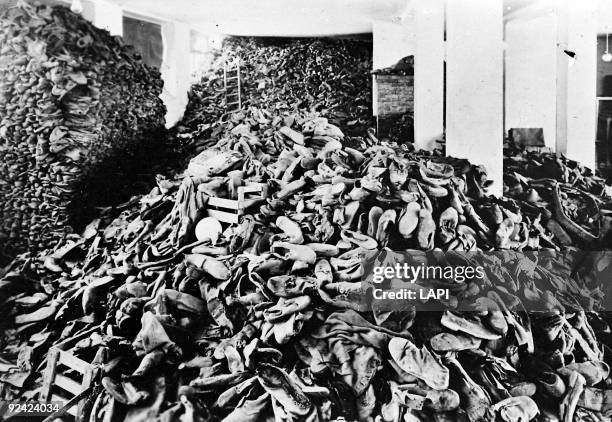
column 582, row 82
column 474, row 84
column 429, row 73
column 109, row 16
column 562, row 72
column 531, row 69
column 176, row 69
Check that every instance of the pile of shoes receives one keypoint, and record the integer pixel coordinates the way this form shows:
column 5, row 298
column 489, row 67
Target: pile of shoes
column 72, row 100
column 403, row 67
column 330, row 76
column 397, row 127
column 199, row 320
column 571, row 201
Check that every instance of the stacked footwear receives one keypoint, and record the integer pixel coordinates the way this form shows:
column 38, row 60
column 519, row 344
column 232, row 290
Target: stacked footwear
column 566, row 195
column 264, row 319
column 73, row 100
column 329, row 76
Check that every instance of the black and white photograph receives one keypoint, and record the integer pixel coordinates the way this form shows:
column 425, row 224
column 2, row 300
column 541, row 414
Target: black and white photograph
column 305, row 210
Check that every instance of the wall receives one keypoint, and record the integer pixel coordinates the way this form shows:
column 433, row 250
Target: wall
column 202, row 52
column 146, row 38
column 177, row 50
column 176, row 69
column 392, row 41
column 104, row 15
column 531, row 68
column 393, row 94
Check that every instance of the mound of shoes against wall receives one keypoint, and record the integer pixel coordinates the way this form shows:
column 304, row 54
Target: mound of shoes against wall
column 73, row 102
column 328, row 76
column 189, row 317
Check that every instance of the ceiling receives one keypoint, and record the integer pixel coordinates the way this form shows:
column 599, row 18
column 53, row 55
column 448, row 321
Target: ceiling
column 289, row 17
column 309, row 17
column 360, row 11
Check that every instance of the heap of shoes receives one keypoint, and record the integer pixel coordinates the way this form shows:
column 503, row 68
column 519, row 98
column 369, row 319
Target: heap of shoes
column 403, row 67
column 329, row 76
column 195, row 319
column 72, row 99
column 571, row 201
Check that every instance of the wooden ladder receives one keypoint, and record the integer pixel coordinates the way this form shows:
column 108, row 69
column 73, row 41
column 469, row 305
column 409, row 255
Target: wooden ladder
column 66, row 376
column 229, row 210
column 232, row 85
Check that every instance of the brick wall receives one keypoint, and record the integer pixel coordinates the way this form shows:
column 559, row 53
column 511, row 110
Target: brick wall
column 393, row 94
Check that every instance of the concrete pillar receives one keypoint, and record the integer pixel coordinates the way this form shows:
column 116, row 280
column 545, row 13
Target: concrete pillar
column 474, row 84
column 429, row 73
column 104, row 15
column 582, row 82
column 562, row 72
column 176, row 69
column 531, row 70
